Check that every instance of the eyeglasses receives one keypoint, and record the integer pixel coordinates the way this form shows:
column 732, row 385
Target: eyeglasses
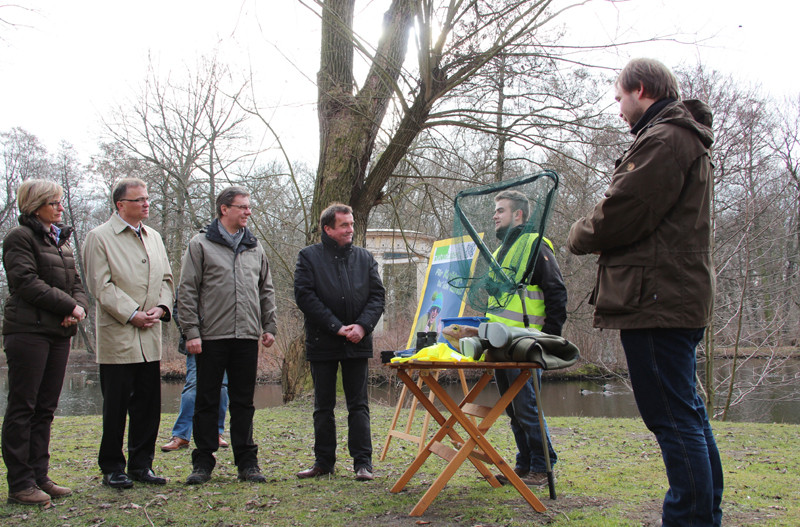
column 137, row 200
column 241, row 207
column 55, row 204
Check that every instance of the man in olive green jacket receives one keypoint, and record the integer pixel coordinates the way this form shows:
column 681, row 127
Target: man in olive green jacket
column 128, row 273
column 226, row 303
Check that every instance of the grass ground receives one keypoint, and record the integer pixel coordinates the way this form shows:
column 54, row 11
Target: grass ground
column 609, row 474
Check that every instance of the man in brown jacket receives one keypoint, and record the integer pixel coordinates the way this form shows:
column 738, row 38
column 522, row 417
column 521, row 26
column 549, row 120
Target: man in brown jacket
column 655, row 281
column 128, row 273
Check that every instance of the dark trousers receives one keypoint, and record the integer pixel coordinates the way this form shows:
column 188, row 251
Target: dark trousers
column 130, row 390
column 524, row 414
column 359, row 439
column 662, row 367
column 36, row 366
column 239, row 358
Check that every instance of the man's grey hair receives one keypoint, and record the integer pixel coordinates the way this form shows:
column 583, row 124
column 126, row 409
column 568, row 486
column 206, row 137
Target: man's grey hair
column 121, row 188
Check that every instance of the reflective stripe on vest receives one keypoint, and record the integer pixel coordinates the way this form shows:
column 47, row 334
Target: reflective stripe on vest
column 511, row 314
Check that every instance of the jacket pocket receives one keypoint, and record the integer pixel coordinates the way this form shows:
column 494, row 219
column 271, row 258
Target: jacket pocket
column 21, row 312
column 619, row 289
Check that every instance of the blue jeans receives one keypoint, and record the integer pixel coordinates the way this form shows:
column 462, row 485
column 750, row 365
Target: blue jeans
column 524, row 416
column 662, row 366
column 183, row 424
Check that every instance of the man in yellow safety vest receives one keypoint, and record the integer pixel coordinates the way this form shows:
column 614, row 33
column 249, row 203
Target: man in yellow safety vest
column 545, row 304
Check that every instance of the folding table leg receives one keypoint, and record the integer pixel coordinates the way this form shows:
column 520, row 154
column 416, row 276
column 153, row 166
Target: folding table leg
column 446, row 425
column 477, row 434
column 395, row 418
column 429, row 406
column 448, row 472
column 476, row 437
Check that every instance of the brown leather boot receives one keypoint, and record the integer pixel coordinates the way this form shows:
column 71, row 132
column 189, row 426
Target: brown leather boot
column 29, row 496
column 55, row 491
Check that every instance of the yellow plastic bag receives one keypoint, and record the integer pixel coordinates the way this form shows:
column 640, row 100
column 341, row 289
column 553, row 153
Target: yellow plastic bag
column 439, row 352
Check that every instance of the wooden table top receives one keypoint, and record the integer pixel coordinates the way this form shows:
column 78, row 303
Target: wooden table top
column 463, row 365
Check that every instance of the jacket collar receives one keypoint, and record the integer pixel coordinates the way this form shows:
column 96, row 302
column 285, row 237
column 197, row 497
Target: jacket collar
column 212, row 233
column 36, row 226
column 119, row 225
column 648, row 115
column 692, row 115
column 331, row 244
column 510, row 234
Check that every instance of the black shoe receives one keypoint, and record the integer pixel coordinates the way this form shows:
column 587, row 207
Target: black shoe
column 313, row 472
column 531, row 479
column 198, row 476
column 364, row 474
column 117, row 480
column 146, row 475
column 252, row 474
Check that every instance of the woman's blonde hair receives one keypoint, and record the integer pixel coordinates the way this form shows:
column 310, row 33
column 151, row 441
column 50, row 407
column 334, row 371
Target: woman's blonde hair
column 34, row 193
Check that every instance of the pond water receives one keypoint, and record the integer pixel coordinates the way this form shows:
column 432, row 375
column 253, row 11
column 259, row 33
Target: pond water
column 778, row 402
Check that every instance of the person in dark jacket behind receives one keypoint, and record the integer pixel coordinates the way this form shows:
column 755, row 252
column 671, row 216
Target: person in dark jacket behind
column 655, row 280
column 339, row 290
column 45, row 304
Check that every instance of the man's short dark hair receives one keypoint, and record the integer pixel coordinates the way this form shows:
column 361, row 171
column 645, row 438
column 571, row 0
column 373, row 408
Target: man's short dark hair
column 227, row 196
column 121, row 187
column 328, row 216
column 656, row 79
column 518, row 202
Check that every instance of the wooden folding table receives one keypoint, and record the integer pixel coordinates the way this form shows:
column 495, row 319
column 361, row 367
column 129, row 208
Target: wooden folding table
column 406, row 434
column 476, row 448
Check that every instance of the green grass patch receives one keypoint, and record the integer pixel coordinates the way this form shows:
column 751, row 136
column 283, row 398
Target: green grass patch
column 609, row 473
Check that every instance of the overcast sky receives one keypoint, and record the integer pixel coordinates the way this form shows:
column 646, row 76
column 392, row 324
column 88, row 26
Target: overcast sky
column 66, row 63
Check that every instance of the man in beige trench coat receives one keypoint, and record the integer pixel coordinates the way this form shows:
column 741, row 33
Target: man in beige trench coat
column 128, row 273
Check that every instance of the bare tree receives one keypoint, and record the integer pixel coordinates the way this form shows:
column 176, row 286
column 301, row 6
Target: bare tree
column 24, row 157
column 191, row 132
column 8, row 17
column 77, row 205
column 470, row 35
column 785, row 142
column 393, row 105
column 755, row 309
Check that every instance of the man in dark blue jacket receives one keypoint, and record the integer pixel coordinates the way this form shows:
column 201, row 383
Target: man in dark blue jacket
column 339, row 290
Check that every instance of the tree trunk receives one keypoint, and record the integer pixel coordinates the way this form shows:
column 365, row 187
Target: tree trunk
column 348, row 122
column 294, row 370
column 348, row 125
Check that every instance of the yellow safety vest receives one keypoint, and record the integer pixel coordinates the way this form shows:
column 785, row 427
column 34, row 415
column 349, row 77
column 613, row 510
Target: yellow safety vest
column 511, row 314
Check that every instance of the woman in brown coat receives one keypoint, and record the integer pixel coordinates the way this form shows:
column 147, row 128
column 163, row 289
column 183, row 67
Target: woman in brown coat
column 46, row 301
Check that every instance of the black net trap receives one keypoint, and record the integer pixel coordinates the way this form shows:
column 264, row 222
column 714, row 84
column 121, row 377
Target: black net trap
column 487, row 266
